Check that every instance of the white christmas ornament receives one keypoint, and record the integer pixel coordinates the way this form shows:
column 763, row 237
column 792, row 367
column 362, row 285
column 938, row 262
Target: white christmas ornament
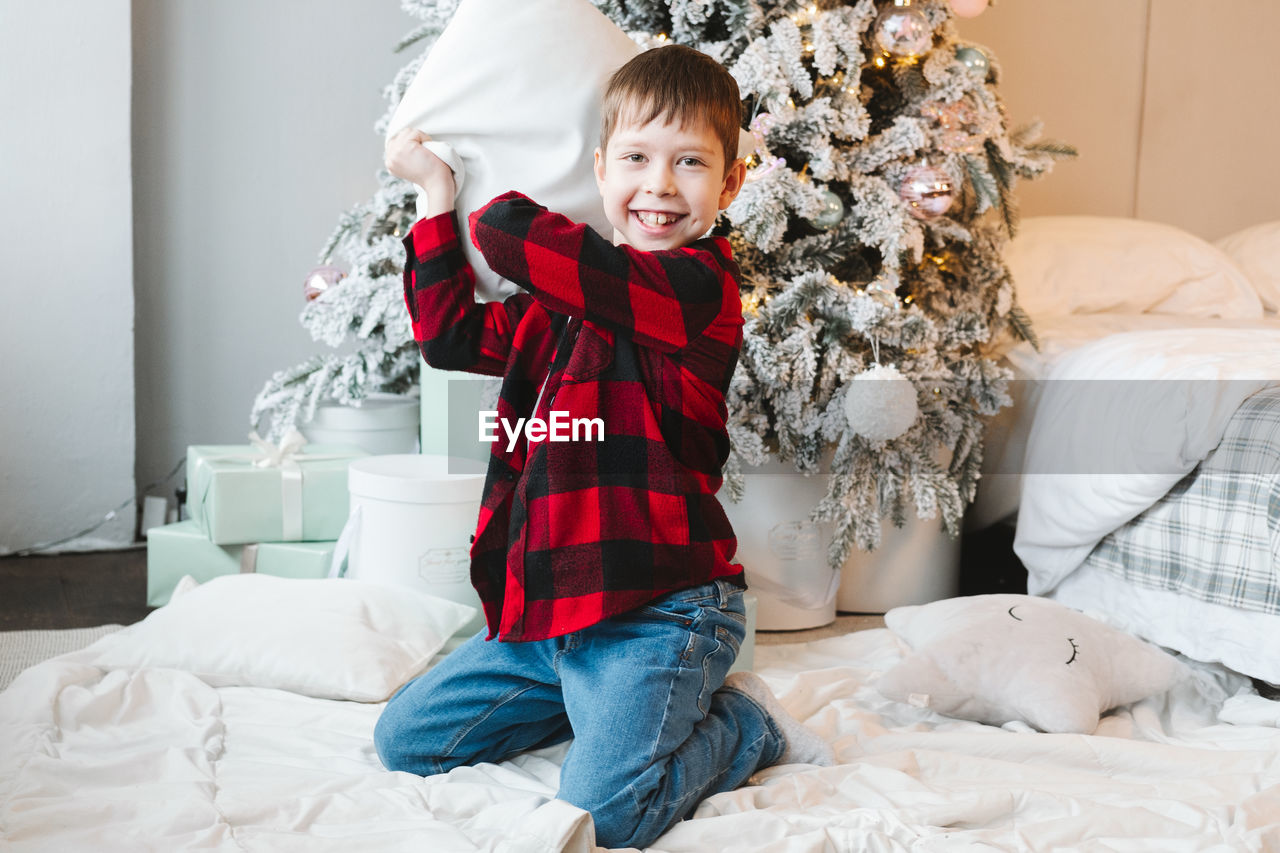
column 880, row 403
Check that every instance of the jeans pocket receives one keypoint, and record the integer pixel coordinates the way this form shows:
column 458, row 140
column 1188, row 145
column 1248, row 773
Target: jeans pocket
column 651, row 612
column 716, row 663
column 728, row 638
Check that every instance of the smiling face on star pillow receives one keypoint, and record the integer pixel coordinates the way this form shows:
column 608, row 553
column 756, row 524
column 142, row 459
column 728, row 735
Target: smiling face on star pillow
column 998, row 658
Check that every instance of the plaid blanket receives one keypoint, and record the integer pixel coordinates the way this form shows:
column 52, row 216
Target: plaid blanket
column 1216, row 535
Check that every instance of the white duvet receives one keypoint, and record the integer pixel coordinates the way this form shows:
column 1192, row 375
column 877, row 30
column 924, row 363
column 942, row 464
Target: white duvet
column 156, row 759
column 1118, row 423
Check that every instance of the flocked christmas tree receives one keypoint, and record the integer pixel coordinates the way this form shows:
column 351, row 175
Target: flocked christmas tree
column 869, row 234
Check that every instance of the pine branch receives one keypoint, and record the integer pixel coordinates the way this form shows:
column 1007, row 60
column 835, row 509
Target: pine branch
column 1021, row 323
column 984, row 185
column 431, row 30
column 1056, row 150
column 910, row 81
column 1002, row 171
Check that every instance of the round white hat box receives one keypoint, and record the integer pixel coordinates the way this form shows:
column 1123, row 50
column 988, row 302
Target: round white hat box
column 412, row 519
column 382, row 424
column 784, row 554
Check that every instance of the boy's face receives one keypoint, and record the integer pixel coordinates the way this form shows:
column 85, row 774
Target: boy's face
column 663, row 185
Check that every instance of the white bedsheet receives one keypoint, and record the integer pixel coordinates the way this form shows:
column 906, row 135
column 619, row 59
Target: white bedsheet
column 157, row 760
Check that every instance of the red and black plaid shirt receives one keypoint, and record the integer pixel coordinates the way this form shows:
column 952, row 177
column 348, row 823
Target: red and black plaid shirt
column 571, row 533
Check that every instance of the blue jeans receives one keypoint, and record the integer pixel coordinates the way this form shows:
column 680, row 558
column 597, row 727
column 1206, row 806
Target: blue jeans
column 640, row 694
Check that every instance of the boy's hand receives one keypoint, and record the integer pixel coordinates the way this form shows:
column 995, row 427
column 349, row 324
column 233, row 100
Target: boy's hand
column 406, row 157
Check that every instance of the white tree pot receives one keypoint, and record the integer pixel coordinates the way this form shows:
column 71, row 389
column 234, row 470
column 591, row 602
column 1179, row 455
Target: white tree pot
column 383, row 424
column 785, row 556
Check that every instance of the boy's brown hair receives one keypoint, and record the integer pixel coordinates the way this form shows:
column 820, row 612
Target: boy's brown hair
column 677, row 84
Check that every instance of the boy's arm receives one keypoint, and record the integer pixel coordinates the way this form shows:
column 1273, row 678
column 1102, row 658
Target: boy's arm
column 662, row 300
column 453, row 331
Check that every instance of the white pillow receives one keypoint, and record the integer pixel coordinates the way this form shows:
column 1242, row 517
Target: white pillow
column 1257, row 251
column 332, row 639
column 1096, row 264
column 999, row 658
column 514, row 86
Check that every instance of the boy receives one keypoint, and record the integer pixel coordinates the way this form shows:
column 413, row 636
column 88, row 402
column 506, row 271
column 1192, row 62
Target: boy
column 604, row 567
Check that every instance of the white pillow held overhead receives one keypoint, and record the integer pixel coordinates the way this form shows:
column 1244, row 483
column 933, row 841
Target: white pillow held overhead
column 514, row 88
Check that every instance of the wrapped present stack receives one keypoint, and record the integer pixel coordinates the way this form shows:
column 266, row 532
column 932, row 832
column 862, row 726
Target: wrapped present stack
column 254, row 508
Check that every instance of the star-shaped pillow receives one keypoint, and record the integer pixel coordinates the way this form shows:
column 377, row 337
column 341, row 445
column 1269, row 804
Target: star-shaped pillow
column 998, row 658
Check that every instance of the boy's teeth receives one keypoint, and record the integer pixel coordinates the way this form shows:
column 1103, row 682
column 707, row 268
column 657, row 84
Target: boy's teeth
column 657, row 218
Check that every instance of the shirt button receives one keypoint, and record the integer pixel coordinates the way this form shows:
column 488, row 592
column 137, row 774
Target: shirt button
column 473, row 539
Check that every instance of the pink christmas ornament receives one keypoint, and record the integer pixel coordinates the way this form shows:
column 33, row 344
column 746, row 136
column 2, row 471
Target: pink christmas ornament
column 903, row 31
column 760, row 125
column 927, row 191
column 968, row 8
column 321, row 279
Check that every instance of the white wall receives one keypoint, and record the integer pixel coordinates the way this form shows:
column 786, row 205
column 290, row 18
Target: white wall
column 1171, row 104
column 66, row 270
column 253, row 131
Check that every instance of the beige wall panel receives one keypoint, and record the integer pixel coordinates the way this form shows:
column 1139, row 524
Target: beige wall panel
column 1208, row 158
column 1078, row 66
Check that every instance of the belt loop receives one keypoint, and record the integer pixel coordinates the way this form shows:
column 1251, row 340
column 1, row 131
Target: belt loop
column 722, row 589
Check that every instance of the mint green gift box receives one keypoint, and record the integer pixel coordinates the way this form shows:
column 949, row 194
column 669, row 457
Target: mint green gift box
column 181, row 549
column 238, row 496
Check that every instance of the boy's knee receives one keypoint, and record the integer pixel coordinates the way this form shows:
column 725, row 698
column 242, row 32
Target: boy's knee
column 389, row 745
column 410, row 749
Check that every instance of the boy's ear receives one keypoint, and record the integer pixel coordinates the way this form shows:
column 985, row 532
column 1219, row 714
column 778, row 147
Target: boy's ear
column 733, row 182
column 599, row 170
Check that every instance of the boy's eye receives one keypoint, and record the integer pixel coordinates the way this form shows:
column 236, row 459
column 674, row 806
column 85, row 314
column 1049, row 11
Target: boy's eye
column 690, row 161
column 634, row 158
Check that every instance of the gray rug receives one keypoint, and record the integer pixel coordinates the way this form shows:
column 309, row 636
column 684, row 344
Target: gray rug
column 22, row 649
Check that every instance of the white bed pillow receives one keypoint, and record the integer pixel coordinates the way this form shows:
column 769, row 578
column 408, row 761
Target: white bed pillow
column 999, row 658
column 327, row 638
column 1096, row 264
column 514, row 87
column 1256, row 251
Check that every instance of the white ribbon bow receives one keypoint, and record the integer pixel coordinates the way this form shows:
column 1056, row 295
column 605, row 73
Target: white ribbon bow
column 275, row 456
column 285, row 457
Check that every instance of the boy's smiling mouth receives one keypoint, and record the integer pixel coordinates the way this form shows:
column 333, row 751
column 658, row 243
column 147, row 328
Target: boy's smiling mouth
column 657, row 218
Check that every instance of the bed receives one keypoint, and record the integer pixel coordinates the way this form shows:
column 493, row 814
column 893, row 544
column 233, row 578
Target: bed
column 241, row 719
column 1141, row 460
column 256, row 734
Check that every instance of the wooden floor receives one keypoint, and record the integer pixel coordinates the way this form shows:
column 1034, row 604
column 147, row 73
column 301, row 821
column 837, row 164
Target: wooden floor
column 82, row 590
column 73, row 590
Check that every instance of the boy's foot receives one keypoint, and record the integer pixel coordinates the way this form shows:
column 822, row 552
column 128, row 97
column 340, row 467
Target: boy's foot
column 803, row 746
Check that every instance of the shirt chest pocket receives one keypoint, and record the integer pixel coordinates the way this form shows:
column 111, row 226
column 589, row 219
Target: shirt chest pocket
column 591, row 355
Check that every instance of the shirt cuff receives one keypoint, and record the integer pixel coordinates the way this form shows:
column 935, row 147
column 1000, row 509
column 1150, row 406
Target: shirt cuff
column 431, row 235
